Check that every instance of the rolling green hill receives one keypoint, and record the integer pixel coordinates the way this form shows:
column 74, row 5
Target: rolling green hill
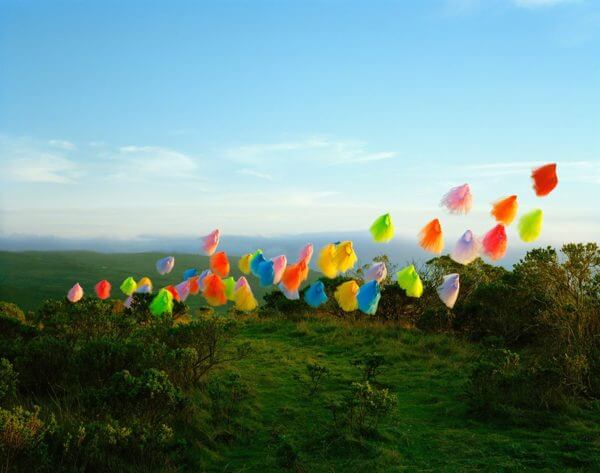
column 28, row 278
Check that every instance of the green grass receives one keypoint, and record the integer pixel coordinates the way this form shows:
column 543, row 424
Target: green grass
column 429, row 430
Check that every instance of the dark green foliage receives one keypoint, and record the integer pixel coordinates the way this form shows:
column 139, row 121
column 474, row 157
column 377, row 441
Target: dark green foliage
column 550, row 309
column 11, row 310
column 435, row 316
column 150, row 395
column 8, row 380
column 395, row 305
column 496, row 377
column 116, row 380
column 370, row 365
column 275, row 303
column 22, row 439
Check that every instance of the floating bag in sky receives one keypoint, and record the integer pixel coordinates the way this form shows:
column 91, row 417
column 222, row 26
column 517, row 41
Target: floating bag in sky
column 103, row 289
column 530, row 225
column 210, row 242
column 165, row 265
column 368, row 297
column 544, row 179
column 458, row 200
column 219, row 264
column 162, row 303
column 409, row 280
column 505, row 210
column 214, row 290
column 279, row 265
column 431, row 237
column 128, row 286
column 377, row 272
column 382, row 229
column 467, row 249
column 494, row 243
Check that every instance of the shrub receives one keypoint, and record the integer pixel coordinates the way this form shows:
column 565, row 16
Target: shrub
column 45, row 363
column 150, row 396
column 8, row 309
column 316, row 373
column 8, row 380
column 276, row 304
column 199, row 346
column 396, row 305
column 371, row 365
column 363, row 408
column 22, row 439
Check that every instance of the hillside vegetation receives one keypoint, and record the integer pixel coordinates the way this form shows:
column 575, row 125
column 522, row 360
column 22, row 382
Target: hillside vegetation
column 509, row 380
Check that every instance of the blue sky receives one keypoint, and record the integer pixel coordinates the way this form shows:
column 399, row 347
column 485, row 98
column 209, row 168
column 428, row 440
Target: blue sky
column 172, row 118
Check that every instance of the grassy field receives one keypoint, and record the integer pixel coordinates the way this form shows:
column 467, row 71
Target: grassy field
column 28, row 278
column 429, row 430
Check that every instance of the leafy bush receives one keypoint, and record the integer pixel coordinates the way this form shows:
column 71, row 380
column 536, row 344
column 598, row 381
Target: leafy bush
column 117, row 380
column 363, row 408
column 549, row 308
column 205, row 343
column 150, row 396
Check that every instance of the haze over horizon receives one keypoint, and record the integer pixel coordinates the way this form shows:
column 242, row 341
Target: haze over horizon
column 126, row 119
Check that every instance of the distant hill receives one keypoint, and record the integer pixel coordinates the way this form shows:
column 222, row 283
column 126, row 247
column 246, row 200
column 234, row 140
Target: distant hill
column 29, row 278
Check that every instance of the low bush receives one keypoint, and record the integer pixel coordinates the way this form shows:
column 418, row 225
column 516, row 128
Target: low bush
column 313, row 380
column 361, row 411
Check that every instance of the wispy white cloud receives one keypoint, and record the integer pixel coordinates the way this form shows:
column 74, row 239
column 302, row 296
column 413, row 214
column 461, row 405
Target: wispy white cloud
column 41, row 168
column 314, row 149
column 26, row 160
column 56, row 161
column 134, row 162
column 62, row 144
column 254, row 173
